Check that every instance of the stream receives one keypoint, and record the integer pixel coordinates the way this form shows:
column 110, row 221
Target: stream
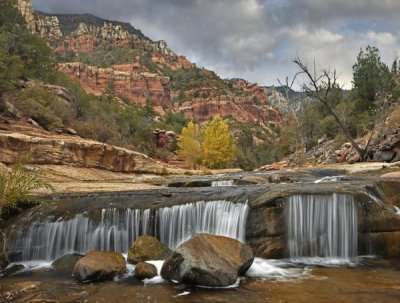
column 309, row 231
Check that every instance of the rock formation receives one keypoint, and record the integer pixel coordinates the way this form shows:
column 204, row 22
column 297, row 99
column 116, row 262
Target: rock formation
column 44, row 148
column 147, row 248
column 146, row 79
column 208, row 260
column 99, row 266
column 45, row 26
column 128, row 81
column 145, row 270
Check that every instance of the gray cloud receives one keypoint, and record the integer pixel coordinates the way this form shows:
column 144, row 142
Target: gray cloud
column 255, row 39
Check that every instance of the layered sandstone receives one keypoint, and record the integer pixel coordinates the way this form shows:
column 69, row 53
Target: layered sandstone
column 146, row 79
column 50, row 149
column 128, row 81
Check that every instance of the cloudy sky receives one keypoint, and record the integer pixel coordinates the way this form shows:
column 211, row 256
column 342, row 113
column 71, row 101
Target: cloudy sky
column 256, row 39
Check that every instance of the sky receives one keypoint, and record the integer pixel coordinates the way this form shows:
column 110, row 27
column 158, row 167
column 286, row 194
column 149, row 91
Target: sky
column 256, row 39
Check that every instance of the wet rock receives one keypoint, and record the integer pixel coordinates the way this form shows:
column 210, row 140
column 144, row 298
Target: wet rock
column 66, row 263
column 147, row 248
column 145, row 270
column 12, row 270
column 208, row 260
column 3, row 261
column 98, row 266
column 384, row 244
column 268, row 247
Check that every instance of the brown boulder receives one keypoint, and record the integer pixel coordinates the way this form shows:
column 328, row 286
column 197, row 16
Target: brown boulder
column 147, row 248
column 145, row 270
column 66, row 263
column 98, row 266
column 208, row 260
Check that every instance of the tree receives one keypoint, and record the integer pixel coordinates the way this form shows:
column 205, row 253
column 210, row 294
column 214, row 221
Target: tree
column 10, row 65
column 287, row 88
column 218, row 144
column 371, row 77
column 189, row 144
column 324, row 87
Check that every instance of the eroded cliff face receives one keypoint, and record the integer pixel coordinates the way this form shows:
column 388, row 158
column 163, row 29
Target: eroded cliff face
column 43, row 148
column 148, row 76
column 129, row 80
column 45, row 26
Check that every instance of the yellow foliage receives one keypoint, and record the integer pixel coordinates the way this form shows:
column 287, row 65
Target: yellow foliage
column 218, row 144
column 189, row 144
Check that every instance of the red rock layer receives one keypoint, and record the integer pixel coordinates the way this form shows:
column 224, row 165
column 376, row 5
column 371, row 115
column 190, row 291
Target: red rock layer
column 128, row 81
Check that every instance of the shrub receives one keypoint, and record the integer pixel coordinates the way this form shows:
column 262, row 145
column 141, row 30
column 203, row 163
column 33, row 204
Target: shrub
column 16, row 186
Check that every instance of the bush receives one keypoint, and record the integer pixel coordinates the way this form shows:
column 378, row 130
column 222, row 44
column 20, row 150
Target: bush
column 16, row 186
column 42, row 106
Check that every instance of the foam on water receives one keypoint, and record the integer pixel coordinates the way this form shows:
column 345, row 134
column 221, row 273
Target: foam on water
column 275, row 270
column 329, row 179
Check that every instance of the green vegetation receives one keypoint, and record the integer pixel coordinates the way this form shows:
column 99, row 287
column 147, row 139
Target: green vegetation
column 336, row 114
column 22, row 55
column 16, row 186
column 27, row 57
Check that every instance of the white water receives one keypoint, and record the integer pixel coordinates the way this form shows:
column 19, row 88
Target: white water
column 222, row 183
column 179, row 223
column 329, row 179
column 118, row 228
column 397, row 210
column 321, row 228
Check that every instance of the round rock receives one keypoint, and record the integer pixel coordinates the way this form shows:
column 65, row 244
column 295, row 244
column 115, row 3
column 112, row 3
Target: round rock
column 147, row 248
column 208, row 260
column 145, row 270
column 98, row 266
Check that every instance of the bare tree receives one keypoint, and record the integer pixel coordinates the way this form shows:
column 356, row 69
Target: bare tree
column 287, row 87
column 324, row 87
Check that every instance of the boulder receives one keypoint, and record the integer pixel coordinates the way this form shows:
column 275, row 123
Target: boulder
column 3, row 261
column 208, row 260
column 66, row 263
column 98, row 266
column 10, row 271
column 147, row 248
column 145, row 270
column 384, row 156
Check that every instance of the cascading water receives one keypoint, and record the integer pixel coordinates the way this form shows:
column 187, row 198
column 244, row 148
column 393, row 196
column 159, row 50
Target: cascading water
column 222, row 183
column 117, row 228
column 321, row 226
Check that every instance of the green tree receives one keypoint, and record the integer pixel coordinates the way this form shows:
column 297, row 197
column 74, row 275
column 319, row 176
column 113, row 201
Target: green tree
column 189, row 144
column 371, row 77
column 218, row 144
column 10, row 65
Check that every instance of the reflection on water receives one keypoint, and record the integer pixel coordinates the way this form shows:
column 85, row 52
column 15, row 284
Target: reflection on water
column 372, row 281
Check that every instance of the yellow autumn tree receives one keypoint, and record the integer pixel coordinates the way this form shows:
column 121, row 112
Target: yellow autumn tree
column 218, row 144
column 189, row 144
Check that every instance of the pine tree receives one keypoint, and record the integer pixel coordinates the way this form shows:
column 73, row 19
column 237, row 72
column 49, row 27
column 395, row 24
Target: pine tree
column 218, row 144
column 189, row 144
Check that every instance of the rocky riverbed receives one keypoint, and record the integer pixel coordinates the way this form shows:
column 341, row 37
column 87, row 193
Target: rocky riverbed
column 251, row 207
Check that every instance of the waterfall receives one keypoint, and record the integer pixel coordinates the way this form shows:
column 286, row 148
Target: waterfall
column 222, row 183
column 114, row 229
column 321, row 226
